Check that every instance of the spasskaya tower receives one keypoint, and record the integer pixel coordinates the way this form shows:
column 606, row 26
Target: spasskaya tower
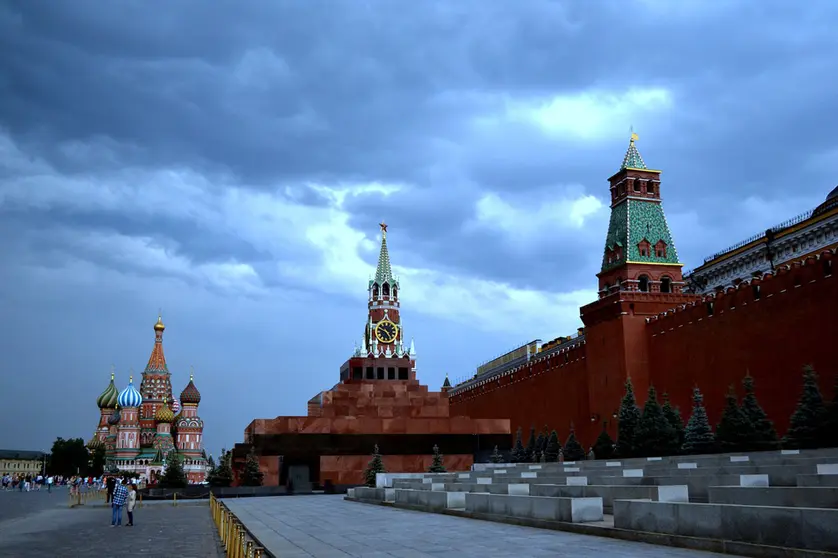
column 383, row 353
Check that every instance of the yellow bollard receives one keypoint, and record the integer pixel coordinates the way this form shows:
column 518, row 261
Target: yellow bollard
column 222, row 524
column 234, row 553
column 240, row 546
column 257, row 552
column 249, row 550
column 141, row 500
column 174, row 498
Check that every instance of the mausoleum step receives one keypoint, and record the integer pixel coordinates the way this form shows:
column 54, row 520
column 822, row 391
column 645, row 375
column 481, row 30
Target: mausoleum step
column 801, row 528
column 666, row 493
column 431, row 500
column 572, row 510
column 784, row 496
column 827, row 481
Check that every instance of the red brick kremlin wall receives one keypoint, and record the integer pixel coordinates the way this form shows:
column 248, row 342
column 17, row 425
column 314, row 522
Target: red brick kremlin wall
column 791, row 324
column 552, row 391
column 770, row 327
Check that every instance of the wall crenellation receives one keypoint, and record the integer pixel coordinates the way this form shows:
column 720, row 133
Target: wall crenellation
column 788, row 277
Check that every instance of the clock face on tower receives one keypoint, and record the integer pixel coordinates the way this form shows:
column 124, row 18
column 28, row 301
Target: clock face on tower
column 386, row 331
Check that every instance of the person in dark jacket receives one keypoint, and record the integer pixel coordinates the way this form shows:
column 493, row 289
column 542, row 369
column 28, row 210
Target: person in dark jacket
column 111, row 484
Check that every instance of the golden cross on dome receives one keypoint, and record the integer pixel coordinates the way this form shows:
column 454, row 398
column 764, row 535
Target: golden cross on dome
column 113, row 369
column 191, row 372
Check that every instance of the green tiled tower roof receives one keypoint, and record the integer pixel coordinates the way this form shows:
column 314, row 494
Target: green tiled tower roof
column 635, row 220
column 633, row 160
column 383, row 273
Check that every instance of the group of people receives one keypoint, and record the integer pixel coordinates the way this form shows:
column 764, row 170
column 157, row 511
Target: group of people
column 121, row 495
column 25, row 483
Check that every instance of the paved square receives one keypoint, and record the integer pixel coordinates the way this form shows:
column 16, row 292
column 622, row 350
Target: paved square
column 330, row 527
column 38, row 525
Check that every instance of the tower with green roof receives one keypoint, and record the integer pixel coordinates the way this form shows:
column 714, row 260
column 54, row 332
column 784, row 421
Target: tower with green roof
column 384, row 352
column 639, row 252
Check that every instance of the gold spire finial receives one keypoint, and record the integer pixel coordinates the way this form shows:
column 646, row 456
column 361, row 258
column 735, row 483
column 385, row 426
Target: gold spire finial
column 131, row 379
column 191, row 372
column 113, row 370
column 634, row 136
column 159, row 325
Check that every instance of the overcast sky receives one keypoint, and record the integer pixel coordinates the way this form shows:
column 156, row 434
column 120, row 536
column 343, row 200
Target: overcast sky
column 229, row 163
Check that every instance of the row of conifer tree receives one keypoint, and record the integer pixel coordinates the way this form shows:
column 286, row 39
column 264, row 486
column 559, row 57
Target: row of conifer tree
column 658, row 430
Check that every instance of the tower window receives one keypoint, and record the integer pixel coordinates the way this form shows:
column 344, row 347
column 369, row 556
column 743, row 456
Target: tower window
column 643, row 283
column 636, row 185
column 666, row 285
column 395, row 292
column 644, row 248
column 660, row 249
column 375, row 291
column 385, row 289
column 650, row 188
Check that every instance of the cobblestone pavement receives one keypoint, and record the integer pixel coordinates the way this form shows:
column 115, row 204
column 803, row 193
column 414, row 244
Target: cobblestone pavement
column 329, row 527
column 40, row 527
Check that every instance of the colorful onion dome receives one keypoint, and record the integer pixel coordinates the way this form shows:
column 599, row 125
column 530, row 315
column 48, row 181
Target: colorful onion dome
column 164, row 413
column 190, row 393
column 130, row 397
column 159, row 325
column 108, row 398
column 114, row 418
column 95, row 443
column 175, row 406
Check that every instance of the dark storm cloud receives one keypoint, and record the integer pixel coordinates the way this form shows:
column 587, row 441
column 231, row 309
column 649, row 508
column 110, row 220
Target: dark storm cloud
column 277, row 92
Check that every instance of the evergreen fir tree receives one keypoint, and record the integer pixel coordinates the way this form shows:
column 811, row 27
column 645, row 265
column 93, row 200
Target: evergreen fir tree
column 540, row 442
column 211, row 463
column 808, row 420
column 763, row 434
column 698, row 436
column 519, row 454
column 734, row 431
column 530, row 451
column 173, row 476
column 222, row 475
column 629, row 420
column 573, row 450
column 654, row 435
column 673, row 415
column 252, row 475
column 436, row 465
column 496, row 456
column 551, row 450
column 375, row 466
column 604, row 445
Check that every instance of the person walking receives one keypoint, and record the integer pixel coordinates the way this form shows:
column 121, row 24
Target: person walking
column 132, row 501
column 120, row 494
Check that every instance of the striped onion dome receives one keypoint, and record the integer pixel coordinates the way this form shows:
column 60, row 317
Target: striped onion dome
column 190, row 393
column 175, row 406
column 108, row 398
column 164, row 413
column 95, row 444
column 130, row 397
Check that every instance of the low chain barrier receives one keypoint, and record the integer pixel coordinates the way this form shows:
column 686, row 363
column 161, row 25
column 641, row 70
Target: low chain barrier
column 235, row 538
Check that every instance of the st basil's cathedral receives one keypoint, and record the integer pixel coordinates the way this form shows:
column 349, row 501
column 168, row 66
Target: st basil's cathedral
column 141, row 430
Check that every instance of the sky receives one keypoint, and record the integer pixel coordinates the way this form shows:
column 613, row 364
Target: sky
column 228, row 163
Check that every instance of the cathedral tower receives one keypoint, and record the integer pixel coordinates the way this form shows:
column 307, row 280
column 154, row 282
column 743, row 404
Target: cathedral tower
column 155, row 386
column 639, row 252
column 384, row 353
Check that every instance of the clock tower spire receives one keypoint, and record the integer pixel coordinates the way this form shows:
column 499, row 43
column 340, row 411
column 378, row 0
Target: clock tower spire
column 383, row 354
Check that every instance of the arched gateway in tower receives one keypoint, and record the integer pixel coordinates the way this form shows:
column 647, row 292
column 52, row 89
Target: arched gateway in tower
column 377, row 401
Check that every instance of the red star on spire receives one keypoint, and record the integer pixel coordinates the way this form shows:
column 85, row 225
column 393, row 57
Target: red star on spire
column 383, row 226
